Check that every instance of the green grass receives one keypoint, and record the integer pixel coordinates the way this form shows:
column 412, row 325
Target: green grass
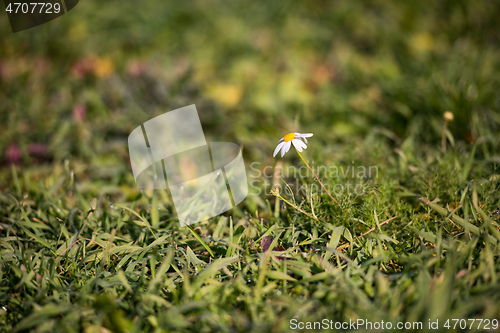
column 83, row 249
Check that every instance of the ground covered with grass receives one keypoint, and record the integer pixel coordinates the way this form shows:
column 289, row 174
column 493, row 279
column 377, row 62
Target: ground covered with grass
column 82, row 248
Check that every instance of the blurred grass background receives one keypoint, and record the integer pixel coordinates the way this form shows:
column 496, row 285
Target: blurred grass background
column 371, row 80
column 255, row 71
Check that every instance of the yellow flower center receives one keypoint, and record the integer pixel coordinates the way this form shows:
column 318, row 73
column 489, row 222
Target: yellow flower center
column 289, row 137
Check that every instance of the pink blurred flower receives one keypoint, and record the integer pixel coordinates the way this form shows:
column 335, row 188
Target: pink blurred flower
column 136, row 68
column 13, row 154
column 37, row 149
column 82, row 67
column 79, row 111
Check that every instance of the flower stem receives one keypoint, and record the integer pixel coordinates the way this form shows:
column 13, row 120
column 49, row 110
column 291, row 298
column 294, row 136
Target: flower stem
column 297, row 208
column 443, row 137
column 317, row 178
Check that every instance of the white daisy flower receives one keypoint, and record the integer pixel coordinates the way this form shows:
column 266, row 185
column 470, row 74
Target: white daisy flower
column 292, row 138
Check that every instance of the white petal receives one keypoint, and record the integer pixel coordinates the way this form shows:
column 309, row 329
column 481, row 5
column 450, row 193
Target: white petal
column 305, row 135
column 281, row 140
column 300, row 144
column 286, row 148
column 305, row 140
column 297, row 145
column 278, row 148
